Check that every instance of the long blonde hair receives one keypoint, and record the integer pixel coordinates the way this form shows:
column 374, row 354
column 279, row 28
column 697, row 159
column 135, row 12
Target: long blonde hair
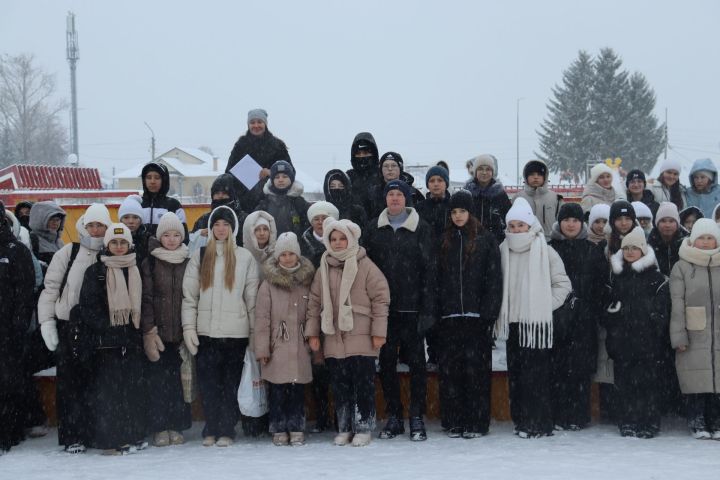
column 207, row 267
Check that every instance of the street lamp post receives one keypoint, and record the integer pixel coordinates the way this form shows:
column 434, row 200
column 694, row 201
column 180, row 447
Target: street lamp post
column 517, row 142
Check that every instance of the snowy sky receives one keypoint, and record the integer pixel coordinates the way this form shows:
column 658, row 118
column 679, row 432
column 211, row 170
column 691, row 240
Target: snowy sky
column 432, row 80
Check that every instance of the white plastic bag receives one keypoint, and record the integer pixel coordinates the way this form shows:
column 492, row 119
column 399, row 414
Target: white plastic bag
column 252, row 393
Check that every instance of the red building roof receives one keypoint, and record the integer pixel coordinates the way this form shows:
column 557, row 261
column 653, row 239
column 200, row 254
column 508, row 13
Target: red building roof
column 45, row 177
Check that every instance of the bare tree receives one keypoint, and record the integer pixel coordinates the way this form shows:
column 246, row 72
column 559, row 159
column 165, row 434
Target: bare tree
column 30, row 118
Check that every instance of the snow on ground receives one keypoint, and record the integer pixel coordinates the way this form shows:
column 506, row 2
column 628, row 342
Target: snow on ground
column 595, row 453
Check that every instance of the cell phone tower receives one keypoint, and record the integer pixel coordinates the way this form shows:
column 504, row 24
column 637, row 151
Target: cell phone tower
column 73, row 55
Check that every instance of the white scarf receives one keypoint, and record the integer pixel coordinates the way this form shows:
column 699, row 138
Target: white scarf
column 171, row 256
column 701, row 258
column 535, row 305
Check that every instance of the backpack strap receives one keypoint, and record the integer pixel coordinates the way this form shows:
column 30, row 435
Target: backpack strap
column 73, row 254
column 35, row 242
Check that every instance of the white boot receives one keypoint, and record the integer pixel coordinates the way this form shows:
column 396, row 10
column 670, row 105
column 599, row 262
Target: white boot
column 297, row 439
column 342, row 439
column 361, row 440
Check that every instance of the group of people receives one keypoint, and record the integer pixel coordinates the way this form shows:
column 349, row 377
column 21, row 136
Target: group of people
column 141, row 313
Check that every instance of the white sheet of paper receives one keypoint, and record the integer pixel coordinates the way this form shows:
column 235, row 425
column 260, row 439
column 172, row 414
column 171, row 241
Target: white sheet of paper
column 247, row 170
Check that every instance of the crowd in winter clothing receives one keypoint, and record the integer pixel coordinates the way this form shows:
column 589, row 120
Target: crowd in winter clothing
column 141, row 315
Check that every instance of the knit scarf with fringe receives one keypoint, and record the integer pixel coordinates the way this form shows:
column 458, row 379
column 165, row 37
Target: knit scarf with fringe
column 350, row 269
column 124, row 298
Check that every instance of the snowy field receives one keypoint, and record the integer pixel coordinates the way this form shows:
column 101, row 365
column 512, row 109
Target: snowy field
column 595, row 453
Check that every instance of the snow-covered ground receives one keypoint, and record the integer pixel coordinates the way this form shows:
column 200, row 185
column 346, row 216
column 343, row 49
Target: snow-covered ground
column 596, row 453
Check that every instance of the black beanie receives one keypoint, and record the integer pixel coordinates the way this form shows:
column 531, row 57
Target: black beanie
column 222, row 213
column 282, row 166
column 461, row 199
column 535, row 166
column 634, row 174
column 571, row 210
column 621, row 208
column 392, row 156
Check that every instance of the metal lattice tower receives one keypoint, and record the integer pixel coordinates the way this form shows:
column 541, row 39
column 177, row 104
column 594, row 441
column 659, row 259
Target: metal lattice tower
column 73, row 55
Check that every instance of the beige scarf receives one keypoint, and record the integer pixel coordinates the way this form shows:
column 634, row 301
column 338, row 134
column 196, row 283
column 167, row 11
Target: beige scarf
column 533, row 295
column 171, row 256
column 701, row 258
column 124, row 299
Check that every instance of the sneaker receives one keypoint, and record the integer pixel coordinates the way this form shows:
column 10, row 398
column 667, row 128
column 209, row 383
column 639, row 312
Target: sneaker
column 75, row 448
column 208, row 441
column 280, row 439
column 627, row 431
column 417, row 429
column 111, row 452
column 343, row 438
column 701, row 434
column 224, row 442
column 137, row 446
column 455, row 432
column 297, row 439
column 646, row 433
column 161, row 439
column 529, row 434
column 176, row 438
column 560, row 428
column 393, row 428
column 716, row 435
column 469, row 434
column 523, row 434
column 575, row 428
column 361, row 439
column 38, row 431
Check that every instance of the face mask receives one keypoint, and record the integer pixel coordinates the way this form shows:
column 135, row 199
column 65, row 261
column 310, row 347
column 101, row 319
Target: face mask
column 223, row 201
column 365, row 163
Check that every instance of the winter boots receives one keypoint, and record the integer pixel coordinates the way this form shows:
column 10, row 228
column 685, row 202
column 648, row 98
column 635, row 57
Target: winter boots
column 297, row 439
column 280, row 439
column 393, row 428
column 342, row 438
column 208, row 441
column 176, row 438
column 361, row 440
column 161, row 439
column 417, row 429
column 224, row 442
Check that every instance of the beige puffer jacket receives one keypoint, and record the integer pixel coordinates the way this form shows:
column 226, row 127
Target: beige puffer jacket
column 695, row 320
column 218, row 312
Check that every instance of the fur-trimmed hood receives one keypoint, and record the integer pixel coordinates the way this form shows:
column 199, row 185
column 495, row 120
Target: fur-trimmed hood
column 285, row 279
column 646, row 262
column 410, row 224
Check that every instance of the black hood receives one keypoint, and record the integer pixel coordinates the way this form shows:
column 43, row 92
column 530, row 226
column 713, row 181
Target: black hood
column 338, row 196
column 224, row 183
column 364, row 138
column 164, row 173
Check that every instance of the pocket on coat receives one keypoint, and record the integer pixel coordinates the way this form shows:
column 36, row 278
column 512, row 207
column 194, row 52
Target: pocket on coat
column 695, row 318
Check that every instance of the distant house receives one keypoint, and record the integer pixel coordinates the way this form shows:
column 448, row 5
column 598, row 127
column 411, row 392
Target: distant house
column 192, row 173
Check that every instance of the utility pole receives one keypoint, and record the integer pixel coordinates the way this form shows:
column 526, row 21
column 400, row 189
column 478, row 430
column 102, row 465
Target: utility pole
column 73, row 55
column 517, row 143
column 666, row 134
column 152, row 142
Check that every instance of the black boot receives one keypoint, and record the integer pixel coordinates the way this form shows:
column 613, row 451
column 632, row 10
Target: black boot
column 417, row 429
column 393, row 428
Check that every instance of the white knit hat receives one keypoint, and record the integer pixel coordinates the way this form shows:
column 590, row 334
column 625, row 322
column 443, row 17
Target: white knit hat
column 521, row 211
column 286, row 242
column 667, row 209
column 486, row 160
column 322, row 208
column 671, row 164
column 598, row 170
column 97, row 212
column 351, row 231
column 642, row 210
column 260, row 221
column 117, row 230
column 705, row 226
column 601, row 210
column 169, row 222
column 131, row 206
column 636, row 238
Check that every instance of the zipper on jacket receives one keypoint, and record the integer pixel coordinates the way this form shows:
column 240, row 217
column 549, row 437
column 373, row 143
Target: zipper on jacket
column 712, row 327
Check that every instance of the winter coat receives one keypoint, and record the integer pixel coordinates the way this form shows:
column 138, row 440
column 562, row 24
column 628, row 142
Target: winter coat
column 311, row 248
column 545, row 205
column 404, row 257
column 17, row 277
column 363, row 178
column 695, row 323
column 155, row 205
column 662, row 193
column 280, row 323
column 141, row 237
column 217, row 312
column 648, row 199
column 436, row 212
column 638, row 315
column 50, row 305
column 45, row 243
column 344, row 200
column 666, row 254
column 377, row 195
column 369, row 296
column 705, row 201
column 491, row 204
column 251, row 245
column 587, row 268
column 594, row 194
column 289, row 209
column 162, row 296
column 470, row 287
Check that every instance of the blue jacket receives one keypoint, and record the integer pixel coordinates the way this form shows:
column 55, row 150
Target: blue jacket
column 708, row 200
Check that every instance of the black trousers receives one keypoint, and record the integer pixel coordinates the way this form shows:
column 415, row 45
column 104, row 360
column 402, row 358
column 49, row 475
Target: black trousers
column 402, row 333
column 638, row 394
column 37, row 357
column 287, row 407
column 570, row 389
column 529, row 375
column 703, row 411
column 72, row 381
column 219, row 368
column 465, row 367
column 320, row 391
column 167, row 409
column 11, row 396
column 353, row 386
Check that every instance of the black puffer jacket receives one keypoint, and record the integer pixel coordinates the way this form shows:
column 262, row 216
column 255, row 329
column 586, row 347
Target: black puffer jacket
column 638, row 317
column 140, row 243
column 587, row 267
column 344, row 200
column 225, row 183
column 405, row 258
column 366, row 172
column 491, row 204
column 648, row 199
column 667, row 254
column 311, row 248
column 377, row 195
column 155, row 205
column 472, row 286
column 436, row 212
column 289, row 209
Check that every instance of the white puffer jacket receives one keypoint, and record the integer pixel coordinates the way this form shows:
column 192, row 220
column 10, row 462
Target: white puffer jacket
column 218, row 312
